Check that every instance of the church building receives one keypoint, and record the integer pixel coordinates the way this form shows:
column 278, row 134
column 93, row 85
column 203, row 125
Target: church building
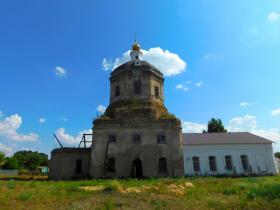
column 138, row 137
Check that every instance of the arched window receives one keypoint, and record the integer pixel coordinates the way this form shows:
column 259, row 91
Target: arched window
column 161, row 139
column 117, row 91
column 212, row 163
column 111, row 165
column 156, row 91
column 137, row 87
column 137, row 138
column 112, row 138
column 162, row 165
column 228, row 160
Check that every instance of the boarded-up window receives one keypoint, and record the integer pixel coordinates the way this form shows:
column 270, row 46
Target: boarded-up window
column 162, row 165
column 111, row 165
column 161, row 139
column 156, row 91
column 137, row 139
column 117, row 91
column 78, row 168
column 196, row 164
column 112, row 138
column 137, row 87
column 212, row 163
column 228, row 160
column 245, row 162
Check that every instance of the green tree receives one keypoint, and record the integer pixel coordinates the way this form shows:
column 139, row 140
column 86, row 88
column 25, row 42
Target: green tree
column 277, row 154
column 215, row 126
column 30, row 160
column 10, row 163
column 2, row 158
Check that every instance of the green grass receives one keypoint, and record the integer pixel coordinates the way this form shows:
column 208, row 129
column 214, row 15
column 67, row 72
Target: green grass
column 206, row 193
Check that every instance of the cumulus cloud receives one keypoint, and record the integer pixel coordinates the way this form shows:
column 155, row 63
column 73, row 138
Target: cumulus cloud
column 60, row 71
column 191, row 127
column 273, row 16
column 186, row 85
column 167, row 62
column 1, row 114
column 68, row 139
column 100, row 108
column 7, row 150
column 182, row 87
column 42, row 120
column 9, row 127
column 276, row 112
column 63, row 119
column 245, row 104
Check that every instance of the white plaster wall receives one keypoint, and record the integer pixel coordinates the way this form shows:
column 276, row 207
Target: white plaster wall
column 260, row 157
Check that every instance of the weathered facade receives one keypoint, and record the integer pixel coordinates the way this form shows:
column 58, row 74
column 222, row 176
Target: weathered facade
column 136, row 136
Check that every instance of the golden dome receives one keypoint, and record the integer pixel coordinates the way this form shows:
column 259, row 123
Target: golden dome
column 136, row 46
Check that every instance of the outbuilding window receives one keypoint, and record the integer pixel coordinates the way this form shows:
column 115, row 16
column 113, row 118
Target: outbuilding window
column 244, row 162
column 228, row 160
column 78, row 168
column 196, row 164
column 137, row 138
column 111, row 165
column 162, row 165
column 161, row 139
column 212, row 163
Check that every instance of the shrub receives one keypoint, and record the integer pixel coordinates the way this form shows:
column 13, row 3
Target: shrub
column 113, row 185
column 25, row 196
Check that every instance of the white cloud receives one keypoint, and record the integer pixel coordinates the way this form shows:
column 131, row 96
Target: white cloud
column 276, row 112
column 100, row 108
column 107, row 64
column 273, row 16
column 42, row 120
column 245, row 104
column 244, row 123
column 167, row 62
column 9, row 127
column 68, row 139
column 182, row 87
column 191, row 127
column 60, row 72
column 199, row 84
column 63, row 119
column 1, row 114
column 5, row 149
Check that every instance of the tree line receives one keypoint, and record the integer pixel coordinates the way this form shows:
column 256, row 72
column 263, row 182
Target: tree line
column 27, row 160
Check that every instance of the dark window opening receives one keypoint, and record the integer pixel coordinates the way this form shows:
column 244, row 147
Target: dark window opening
column 137, row 139
column 228, row 160
column 111, row 165
column 162, row 166
column 136, row 57
column 245, row 162
column 78, row 168
column 156, row 91
column 112, row 138
column 117, row 91
column 212, row 163
column 137, row 87
column 196, row 164
column 161, row 139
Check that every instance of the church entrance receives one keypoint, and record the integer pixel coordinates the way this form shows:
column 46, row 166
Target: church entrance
column 137, row 168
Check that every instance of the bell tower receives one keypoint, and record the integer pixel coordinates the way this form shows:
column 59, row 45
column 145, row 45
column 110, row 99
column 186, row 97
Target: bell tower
column 136, row 53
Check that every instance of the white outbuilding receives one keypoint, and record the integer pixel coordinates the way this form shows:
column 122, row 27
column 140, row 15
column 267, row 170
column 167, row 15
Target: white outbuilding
column 228, row 153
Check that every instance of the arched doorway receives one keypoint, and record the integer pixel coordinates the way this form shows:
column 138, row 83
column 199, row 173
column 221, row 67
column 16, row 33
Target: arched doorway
column 137, row 168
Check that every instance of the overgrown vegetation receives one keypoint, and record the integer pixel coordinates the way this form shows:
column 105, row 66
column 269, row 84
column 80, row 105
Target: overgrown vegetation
column 28, row 160
column 180, row 193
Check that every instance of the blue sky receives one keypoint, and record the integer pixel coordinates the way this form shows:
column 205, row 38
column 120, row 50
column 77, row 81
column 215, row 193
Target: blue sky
column 223, row 59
